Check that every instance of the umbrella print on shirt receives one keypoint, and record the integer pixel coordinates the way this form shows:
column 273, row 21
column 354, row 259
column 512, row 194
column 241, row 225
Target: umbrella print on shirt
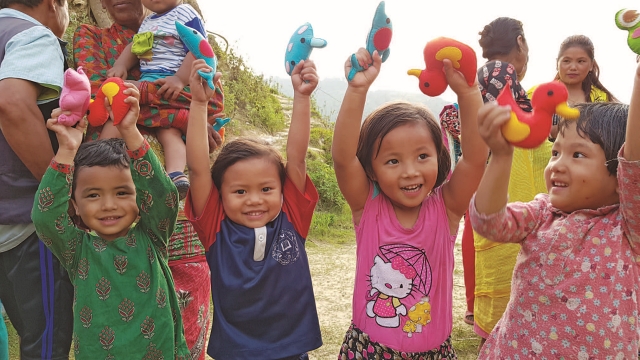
column 400, row 271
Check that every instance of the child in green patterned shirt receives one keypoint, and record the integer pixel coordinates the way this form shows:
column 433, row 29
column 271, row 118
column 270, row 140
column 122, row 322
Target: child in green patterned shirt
column 125, row 305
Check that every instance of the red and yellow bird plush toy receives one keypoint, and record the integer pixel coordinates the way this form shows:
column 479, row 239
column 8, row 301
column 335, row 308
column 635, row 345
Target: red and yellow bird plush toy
column 111, row 89
column 432, row 79
column 530, row 129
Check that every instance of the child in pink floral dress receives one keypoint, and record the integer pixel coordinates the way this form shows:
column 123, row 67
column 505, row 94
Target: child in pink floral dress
column 575, row 283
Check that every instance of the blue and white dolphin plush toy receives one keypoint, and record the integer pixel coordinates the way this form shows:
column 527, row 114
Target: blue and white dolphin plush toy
column 200, row 48
column 379, row 39
column 300, row 46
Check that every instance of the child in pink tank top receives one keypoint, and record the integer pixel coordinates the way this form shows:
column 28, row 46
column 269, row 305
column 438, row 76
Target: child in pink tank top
column 406, row 215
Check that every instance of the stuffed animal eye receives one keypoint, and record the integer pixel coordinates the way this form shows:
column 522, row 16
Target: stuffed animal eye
column 426, row 84
column 628, row 18
column 550, row 92
column 195, row 32
column 302, row 40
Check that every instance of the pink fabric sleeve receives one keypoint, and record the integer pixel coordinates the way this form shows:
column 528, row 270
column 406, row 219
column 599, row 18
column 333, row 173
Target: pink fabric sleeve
column 511, row 224
column 629, row 190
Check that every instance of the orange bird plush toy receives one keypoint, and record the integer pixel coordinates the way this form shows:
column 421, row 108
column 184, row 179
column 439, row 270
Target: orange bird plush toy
column 530, row 129
column 432, row 79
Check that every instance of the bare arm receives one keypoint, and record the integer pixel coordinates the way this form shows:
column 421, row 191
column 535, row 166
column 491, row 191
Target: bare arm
column 126, row 61
column 468, row 172
column 171, row 86
column 23, row 126
column 350, row 174
column 185, row 69
column 197, row 140
column 632, row 146
column 304, row 79
column 492, row 194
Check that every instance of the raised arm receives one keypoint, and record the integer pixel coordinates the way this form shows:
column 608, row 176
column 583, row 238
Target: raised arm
column 352, row 179
column 491, row 196
column 632, row 145
column 468, row 172
column 304, row 80
column 49, row 212
column 197, row 140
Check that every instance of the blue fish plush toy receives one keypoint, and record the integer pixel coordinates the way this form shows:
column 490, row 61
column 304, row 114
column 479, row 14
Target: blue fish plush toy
column 379, row 38
column 300, row 46
column 200, row 48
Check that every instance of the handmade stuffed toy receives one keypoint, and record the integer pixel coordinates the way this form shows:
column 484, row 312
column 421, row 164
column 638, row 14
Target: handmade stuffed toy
column 379, row 38
column 300, row 46
column 112, row 89
column 75, row 96
column 201, row 49
column 218, row 126
column 432, row 79
column 630, row 20
column 530, row 129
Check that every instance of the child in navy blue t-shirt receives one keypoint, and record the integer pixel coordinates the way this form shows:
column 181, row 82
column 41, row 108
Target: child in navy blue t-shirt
column 252, row 213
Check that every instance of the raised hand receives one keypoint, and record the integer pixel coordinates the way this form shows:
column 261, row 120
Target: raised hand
column 200, row 91
column 365, row 78
column 304, row 77
column 457, row 81
column 491, row 118
column 69, row 138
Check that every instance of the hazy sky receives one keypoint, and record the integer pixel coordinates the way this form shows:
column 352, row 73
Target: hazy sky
column 260, row 31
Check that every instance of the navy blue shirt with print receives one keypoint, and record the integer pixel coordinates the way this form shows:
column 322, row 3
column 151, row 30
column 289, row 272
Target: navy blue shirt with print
column 264, row 307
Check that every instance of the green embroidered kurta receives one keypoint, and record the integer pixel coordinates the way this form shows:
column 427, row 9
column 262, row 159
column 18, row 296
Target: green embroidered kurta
column 125, row 306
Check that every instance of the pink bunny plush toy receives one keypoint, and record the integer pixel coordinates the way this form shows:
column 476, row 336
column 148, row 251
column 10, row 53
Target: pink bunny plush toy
column 75, row 96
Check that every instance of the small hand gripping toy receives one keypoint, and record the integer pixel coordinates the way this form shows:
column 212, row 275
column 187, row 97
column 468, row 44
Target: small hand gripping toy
column 112, row 89
column 630, row 20
column 379, row 38
column 75, row 96
column 300, row 46
column 201, row 49
column 432, row 79
column 530, row 129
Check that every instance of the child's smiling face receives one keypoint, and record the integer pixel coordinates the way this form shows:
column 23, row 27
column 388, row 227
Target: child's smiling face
column 251, row 192
column 406, row 165
column 105, row 199
column 577, row 176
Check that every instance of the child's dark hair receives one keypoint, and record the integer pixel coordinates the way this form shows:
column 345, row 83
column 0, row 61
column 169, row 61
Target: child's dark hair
column 106, row 153
column 500, row 37
column 244, row 149
column 593, row 77
column 390, row 116
column 604, row 124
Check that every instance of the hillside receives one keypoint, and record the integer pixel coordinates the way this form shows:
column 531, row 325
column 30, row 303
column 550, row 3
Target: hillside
column 330, row 92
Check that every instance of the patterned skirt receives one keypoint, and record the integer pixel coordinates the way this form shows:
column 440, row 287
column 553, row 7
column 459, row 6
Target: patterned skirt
column 357, row 345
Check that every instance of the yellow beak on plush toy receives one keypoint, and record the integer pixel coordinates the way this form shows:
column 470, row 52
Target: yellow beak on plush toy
column 110, row 90
column 567, row 112
column 414, row 72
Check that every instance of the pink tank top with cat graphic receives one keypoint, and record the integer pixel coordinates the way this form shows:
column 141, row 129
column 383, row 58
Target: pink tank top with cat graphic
column 404, row 277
